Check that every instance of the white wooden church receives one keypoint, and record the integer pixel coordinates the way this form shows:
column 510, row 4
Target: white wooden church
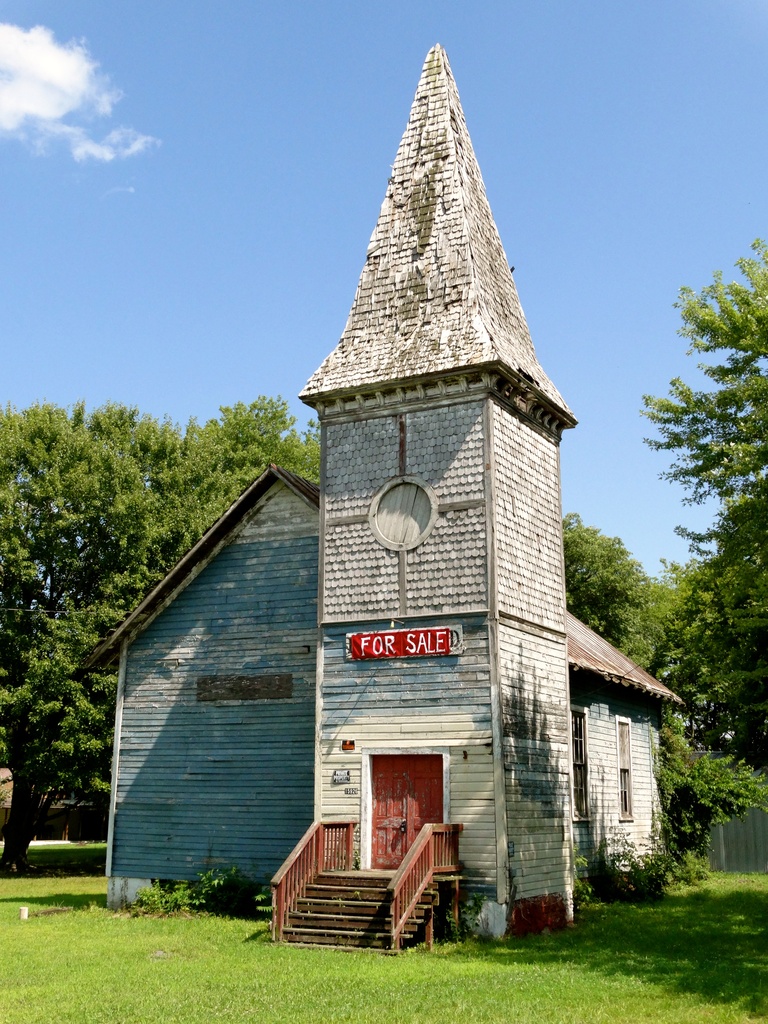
column 378, row 677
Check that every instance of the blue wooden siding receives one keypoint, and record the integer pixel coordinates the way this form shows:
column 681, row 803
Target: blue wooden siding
column 204, row 784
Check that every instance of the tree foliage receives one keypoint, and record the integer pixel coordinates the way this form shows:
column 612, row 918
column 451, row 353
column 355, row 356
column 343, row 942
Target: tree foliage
column 610, row 591
column 698, row 791
column 94, row 508
column 718, row 440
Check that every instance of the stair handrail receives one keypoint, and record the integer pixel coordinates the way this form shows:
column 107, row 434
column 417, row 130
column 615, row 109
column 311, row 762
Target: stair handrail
column 325, row 846
column 435, row 851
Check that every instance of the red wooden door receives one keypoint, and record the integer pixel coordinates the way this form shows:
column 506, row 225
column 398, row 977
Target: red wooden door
column 407, row 792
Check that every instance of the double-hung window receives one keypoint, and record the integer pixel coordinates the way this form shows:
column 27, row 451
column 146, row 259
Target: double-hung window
column 624, row 745
column 579, row 762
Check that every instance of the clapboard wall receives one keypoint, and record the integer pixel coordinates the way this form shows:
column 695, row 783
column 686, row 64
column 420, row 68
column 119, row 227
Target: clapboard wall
column 603, row 703
column 441, row 704
column 536, row 759
column 219, row 782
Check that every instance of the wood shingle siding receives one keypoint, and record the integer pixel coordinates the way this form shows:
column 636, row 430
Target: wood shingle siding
column 528, row 522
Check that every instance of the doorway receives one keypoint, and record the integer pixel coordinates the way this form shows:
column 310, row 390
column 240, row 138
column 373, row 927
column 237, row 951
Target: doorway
column 406, row 793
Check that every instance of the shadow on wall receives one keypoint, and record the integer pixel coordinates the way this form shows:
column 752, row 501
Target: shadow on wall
column 537, row 778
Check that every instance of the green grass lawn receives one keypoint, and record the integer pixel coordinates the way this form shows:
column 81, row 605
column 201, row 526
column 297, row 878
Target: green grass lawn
column 701, row 955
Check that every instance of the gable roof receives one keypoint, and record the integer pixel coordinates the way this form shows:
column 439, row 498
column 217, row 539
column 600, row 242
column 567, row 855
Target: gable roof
column 436, row 293
column 107, row 651
column 587, row 650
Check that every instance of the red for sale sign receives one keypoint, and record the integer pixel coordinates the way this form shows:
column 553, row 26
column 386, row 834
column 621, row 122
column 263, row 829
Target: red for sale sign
column 434, row 641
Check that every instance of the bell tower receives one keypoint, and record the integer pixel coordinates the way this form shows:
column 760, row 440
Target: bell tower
column 440, row 510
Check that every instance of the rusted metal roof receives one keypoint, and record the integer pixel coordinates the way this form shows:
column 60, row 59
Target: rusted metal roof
column 107, row 652
column 587, row 650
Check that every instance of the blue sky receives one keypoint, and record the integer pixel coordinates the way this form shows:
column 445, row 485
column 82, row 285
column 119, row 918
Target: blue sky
column 187, row 191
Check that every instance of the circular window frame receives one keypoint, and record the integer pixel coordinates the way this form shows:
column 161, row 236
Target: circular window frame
column 383, row 492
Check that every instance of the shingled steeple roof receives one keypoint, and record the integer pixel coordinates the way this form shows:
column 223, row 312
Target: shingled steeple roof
column 436, row 293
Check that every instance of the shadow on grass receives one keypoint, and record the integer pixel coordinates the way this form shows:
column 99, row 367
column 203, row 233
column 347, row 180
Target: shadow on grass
column 709, row 944
column 65, row 860
column 60, row 899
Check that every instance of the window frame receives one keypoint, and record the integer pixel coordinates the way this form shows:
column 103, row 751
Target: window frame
column 582, row 787
column 624, row 781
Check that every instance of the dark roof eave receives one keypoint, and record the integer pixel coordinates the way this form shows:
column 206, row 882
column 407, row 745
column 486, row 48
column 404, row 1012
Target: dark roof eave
column 660, row 691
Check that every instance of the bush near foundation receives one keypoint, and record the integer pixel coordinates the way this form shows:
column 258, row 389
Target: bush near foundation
column 225, row 893
column 621, row 872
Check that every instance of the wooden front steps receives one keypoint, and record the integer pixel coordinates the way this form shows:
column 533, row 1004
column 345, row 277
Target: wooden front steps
column 352, row 909
column 319, row 899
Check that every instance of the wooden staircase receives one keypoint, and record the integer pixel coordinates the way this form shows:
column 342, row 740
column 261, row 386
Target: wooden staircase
column 319, row 899
column 353, row 908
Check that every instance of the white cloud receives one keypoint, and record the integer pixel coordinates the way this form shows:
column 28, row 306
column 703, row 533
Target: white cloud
column 42, row 82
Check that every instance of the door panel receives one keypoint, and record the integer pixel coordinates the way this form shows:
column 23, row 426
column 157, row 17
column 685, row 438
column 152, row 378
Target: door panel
column 407, row 792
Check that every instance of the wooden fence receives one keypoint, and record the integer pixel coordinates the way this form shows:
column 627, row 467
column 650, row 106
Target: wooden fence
column 741, row 846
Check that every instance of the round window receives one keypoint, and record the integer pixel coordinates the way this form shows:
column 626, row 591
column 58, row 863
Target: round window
column 403, row 513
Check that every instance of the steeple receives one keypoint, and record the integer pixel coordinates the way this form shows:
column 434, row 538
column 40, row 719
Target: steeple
column 436, row 294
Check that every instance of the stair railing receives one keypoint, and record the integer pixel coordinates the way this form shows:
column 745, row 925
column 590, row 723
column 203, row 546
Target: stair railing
column 435, row 851
column 325, row 846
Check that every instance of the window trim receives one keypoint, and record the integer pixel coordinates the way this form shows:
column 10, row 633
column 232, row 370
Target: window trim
column 625, row 814
column 582, row 713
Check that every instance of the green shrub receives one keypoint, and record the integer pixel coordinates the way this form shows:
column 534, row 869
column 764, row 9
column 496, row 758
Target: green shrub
column 698, row 791
column 621, row 872
column 164, row 897
column 223, row 892
column 690, row 869
column 229, row 893
column 583, row 892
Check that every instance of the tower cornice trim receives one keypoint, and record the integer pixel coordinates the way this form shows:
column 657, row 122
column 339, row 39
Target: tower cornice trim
column 511, row 390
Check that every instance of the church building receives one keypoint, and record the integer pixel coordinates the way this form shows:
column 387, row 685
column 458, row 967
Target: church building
column 365, row 663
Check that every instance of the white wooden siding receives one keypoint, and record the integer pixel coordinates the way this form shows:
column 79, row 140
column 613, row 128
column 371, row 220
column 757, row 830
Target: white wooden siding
column 604, row 703
column 415, row 704
column 536, row 760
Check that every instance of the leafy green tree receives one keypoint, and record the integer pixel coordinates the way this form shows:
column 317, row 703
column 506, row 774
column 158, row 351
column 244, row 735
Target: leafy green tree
column 81, row 532
column 698, row 791
column 226, row 454
column 610, row 591
column 714, row 655
column 718, row 440
column 94, row 508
